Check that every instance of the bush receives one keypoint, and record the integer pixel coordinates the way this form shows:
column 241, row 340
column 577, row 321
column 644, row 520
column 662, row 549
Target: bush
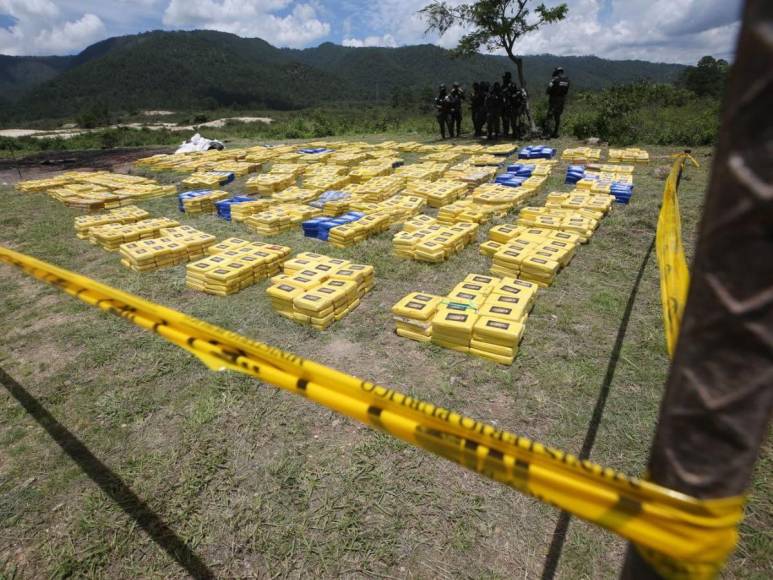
column 644, row 113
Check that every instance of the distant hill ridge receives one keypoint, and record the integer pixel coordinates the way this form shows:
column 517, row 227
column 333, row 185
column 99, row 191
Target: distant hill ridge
column 198, row 69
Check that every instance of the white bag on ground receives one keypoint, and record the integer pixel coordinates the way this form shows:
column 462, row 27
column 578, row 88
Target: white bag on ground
column 198, row 143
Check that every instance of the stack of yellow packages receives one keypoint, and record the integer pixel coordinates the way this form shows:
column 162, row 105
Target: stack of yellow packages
column 348, row 235
column 500, row 198
column 400, row 207
column 581, row 222
column 532, row 254
column 630, row 155
column 97, row 189
column 482, row 315
column 420, row 171
column 581, row 155
column 124, row 215
column 111, row 236
column 270, row 183
column 434, row 243
column 326, row 182
column 469, row 173
column 259, row 155
column 408, row 146
column 203, row 203
column 241, row 211
column 294, row 169
column 503, row 149
column 318, row 290
column 378, row 188
column 600, row 204
column 347, row 159
column 235, row 264
column 447, row 156
column 238, row 168
column 207, row 180
column 437, row 193
column 413, row 315
column 467, row 210
column 326, row 171
column 295, row 194
column 280, row 218
column 486, row 160
column 371, row 169
column 175, row 246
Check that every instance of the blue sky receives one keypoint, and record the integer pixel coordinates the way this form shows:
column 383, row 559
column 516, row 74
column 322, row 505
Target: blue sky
column 658, row 30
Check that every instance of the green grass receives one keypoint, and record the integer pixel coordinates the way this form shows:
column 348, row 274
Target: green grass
column 261, row 483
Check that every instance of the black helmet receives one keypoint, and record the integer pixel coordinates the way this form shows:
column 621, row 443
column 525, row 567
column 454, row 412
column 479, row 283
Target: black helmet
column 442, row 87
column 558, row 71
column 507, row 75
column 456, row 85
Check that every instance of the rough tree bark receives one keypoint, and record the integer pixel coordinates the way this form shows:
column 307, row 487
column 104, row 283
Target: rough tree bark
column 719, row 395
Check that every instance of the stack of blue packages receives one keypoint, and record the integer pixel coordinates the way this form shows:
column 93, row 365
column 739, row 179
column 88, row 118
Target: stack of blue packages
column 510, row 179
column 181, row 197
column 621, row 191
column 575, row 173
column 537, row 152
column 224, row 206
column 522, row 169
column 320, row 227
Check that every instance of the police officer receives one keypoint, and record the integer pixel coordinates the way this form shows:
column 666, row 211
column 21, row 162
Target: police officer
column 508, row 94
column 518, row 102
column 494, row 106
column 478, row 108
column 443, row 110
column 557, row 90
column 455, row 98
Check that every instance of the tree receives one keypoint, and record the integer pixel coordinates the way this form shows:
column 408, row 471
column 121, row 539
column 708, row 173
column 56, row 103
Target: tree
column 494, row 25
column 708, row 78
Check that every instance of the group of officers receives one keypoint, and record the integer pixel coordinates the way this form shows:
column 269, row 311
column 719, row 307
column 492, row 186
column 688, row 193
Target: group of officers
column 499, row 110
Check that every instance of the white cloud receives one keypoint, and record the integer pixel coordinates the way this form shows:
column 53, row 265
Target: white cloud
column 250, row 18
column 664, row 30
column 385, row 40
column 70, row 36
column 41, row 28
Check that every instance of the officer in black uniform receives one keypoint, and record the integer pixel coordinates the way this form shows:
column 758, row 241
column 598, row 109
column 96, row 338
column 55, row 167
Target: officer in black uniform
column 443, row 110
column 475, row 106
column 518, row 103
column 557, row 90
column 494, row 106
column 508, row 94
column 456, row 97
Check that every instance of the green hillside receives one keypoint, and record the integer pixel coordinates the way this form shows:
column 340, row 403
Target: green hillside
column 383, row 69
column 207, row 69
column 18, row 74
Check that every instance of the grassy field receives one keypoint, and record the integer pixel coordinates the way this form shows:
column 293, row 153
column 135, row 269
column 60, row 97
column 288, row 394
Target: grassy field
column 239, row 479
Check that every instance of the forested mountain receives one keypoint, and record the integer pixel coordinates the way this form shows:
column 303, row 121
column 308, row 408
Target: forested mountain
column 18, row 74
column 382, row 69
column 207, row 69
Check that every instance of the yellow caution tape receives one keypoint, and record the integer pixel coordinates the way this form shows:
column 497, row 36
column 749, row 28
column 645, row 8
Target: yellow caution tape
column 674, row 275
column 689, row 534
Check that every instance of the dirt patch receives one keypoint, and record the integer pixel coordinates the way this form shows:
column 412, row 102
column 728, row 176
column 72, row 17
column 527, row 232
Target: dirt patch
column 42, row 164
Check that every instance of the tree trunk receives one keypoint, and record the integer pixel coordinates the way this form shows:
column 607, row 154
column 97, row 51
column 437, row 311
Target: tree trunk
column 718, row 400
column 519, row 67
